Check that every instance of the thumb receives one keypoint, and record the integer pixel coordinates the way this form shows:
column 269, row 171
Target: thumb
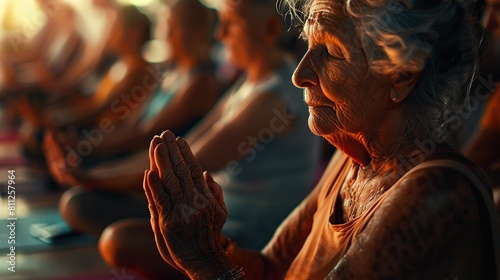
column 215, row 189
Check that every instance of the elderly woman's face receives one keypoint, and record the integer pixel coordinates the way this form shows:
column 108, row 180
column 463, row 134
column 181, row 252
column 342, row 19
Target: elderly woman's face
column 345, row 98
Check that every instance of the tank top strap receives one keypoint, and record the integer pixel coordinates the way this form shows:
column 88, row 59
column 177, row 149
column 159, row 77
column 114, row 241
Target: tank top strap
column 486, row 196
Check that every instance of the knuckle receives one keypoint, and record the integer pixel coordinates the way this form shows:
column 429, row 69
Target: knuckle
column 196, row 172
column 182, row 169
column 162, row 203
column 199, row 200
column 171, row 181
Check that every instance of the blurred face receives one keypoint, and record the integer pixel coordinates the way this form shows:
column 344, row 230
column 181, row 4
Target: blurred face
column 175, row 35
column 241, row 33
column 345, row 99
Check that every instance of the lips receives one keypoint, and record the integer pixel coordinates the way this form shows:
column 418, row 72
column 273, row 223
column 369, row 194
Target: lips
column 313, row 101
column 321, row 109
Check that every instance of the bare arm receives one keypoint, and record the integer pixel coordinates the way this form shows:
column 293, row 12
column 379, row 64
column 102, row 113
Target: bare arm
column 208, row 121
column 194, row 101
column 485, row 152
column 113, row 99
column 414, row 230
column 483, row 148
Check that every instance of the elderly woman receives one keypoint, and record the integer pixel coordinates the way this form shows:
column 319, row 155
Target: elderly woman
column 396, row 202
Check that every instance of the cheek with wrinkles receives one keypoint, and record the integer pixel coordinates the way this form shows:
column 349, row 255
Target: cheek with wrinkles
column 342, row 86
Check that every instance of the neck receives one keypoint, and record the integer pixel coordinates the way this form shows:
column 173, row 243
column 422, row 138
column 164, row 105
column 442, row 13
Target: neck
column 261, row 67
column 395, row 152
column 381, row 148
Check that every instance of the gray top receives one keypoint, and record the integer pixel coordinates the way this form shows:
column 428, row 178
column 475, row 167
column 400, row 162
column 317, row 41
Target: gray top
column 275, row 173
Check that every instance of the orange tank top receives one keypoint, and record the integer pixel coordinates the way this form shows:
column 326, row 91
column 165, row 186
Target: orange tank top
column 316, row 258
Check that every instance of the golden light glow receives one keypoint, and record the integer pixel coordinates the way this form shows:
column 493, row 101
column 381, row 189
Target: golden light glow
column 140, row 3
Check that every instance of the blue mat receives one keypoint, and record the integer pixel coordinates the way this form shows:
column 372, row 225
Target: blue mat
column 25, row 242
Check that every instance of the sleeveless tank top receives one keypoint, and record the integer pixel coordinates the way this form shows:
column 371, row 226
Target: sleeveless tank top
column 317, row 260
column 171, row 85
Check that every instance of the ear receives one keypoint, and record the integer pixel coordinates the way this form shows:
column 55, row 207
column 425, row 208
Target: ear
column 403, row 83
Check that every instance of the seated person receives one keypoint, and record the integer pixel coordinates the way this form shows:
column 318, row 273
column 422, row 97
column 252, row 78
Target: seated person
column 94, row 57
column 130, row 31
column 189, row 90
column 30, row 58
column 375, row 75
column 483, row 148
column 258, row 128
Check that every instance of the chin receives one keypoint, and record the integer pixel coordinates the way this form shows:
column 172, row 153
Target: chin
column 321, row 123
column 320, row 126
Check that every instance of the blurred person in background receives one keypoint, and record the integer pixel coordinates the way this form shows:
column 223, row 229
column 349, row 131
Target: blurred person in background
column 484, row 148
column 189, row 90
column 127, row 37
column 61, row 96
column 258, row 128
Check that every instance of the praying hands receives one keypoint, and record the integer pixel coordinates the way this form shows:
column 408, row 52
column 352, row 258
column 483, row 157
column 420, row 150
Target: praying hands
column 187, row 209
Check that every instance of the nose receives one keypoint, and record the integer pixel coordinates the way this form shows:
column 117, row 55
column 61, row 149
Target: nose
column 489, row 19
column 305, row 75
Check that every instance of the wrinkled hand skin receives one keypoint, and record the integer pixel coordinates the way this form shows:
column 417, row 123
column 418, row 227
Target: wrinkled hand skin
column 187, row 209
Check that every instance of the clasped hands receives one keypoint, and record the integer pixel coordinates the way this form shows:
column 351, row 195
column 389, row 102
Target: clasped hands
column 187, row 209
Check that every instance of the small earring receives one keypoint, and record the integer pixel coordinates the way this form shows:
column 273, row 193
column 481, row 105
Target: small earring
column 394, row 95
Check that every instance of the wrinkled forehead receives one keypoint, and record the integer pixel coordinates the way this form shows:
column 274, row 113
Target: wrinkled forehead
column 326, row 15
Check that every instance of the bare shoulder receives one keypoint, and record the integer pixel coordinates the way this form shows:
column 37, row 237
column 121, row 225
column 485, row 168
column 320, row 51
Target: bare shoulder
column 263, row 107
column 432, row 211
column 435, row 190
column 425, row 226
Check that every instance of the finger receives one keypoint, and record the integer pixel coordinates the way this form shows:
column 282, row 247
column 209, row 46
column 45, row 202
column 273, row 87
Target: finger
column 151, row 202
column 161, row 199
column 47, row 147
column 194, row 167
column 179, row 166
column 54, row 158
column 215, row 190
column 166, row 172
column 155, row 222
column 50, row 145
column 47, row 140
column 152, row 146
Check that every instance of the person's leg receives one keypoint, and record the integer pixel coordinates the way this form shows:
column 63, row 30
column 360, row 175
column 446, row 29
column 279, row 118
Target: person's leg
column 130, row 244
column 92, row 211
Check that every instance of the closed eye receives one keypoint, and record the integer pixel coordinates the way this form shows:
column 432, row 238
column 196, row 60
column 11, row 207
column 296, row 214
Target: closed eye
column 334, row 52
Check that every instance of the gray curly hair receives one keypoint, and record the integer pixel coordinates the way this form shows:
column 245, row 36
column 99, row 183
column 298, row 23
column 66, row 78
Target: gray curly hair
column 438, row 38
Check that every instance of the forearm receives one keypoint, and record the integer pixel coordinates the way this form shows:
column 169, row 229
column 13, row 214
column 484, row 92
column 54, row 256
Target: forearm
column 121, row 181
column 81, row 115
column 123, row 140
